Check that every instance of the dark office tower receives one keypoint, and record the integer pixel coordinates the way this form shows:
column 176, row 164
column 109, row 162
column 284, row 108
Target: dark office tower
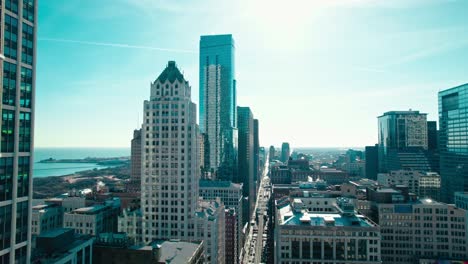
column 18, row 62
column 453, row 146
column 218, row 105
column 256, row 154
column 400, row 131
column 372, row 161
column 432, row 135
column 272, row 153
column 285, row 152
column 246, row 154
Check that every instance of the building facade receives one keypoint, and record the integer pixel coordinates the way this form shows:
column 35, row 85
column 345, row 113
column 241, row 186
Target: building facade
column 400, row 130
column 285, row 152
column 272, row 153
column 171, row 172
column 453, row 141
column 334, row 234
column 18, row 61
column 218, row 117
column 246, row 154
column 372, row 162
column 423, row 184
column 46, row 217
column 135, row 161
column 422, row 229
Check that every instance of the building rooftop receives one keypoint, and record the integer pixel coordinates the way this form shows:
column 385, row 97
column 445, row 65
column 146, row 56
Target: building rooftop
column 176, row 251
column 171, row 73
column 54, row 232
column 90, row 210
column 293, row 214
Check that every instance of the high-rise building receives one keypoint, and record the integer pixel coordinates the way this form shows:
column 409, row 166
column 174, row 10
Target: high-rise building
column 285, row 152
column 400, row 130
column 246, row 154
column 134, row 184
column 171, row 172
column 272, row 153
column 372, row 161
column 256, row 154
column 18, row 61
column 218, row 105
column 453, row 145
column 432, row 135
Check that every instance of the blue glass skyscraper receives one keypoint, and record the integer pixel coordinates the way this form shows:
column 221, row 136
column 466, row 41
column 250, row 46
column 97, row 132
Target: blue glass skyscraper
column 453, row 141
column 218, row 117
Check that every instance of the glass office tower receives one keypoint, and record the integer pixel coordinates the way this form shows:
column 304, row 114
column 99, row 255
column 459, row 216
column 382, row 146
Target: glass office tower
column 453, row 141
column 18, row 60
column 218, row 117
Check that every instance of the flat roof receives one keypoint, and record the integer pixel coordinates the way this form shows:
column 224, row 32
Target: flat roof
column 175, row 251
column 89, row 210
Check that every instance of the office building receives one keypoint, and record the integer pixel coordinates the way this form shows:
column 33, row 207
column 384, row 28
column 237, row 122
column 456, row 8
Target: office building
column 218, row 105
column 331, row 175
column 285, row 152
column 432, row 135
column 400, row 130
column 134, row 184
column 423, row 229
column 62, row 245
column 46, row 217
column 130, row 223
column 272, row 153
column 423, row 184
column 231, row 247
column 246, row 154
column 18, row 61
column 256, row 151
column 170, row 170
column 461, row 200
column 94, row 219
column 230, row 195
column 330, row 233
column 453, row 145
column 372, row 161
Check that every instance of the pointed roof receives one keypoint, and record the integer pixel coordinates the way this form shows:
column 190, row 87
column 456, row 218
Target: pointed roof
column 171, row 73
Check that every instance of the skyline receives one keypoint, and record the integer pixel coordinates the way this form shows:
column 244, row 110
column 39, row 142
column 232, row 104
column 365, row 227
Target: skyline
column 401, row 51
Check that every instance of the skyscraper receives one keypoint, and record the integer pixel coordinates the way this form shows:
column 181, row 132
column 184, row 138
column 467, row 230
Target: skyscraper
column 401, row 130
column 432, row 136
column 372, row 161
column 453, row 136
column 135, row 178
column 272, row 153
column 285, row 152
column 18, row 61
column 170, row 170
column 246, row 154
column 218, row 105
column 256, row 154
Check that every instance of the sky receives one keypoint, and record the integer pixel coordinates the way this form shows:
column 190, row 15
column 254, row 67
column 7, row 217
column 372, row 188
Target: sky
column 316, row 73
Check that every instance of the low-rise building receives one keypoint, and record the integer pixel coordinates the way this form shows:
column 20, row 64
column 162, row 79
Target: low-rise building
column 63, row 246
column 130, row 222
column 335, row 235
column 45, row 217
column 209, row 227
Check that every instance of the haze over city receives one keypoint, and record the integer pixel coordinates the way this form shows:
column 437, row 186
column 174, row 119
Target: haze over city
column 316, row 72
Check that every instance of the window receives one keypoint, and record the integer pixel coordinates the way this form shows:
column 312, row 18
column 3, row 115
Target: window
column 11, row 37
column 6, row 180
column 28, row 10
column 8, row 131
column 27, row 44
column 5, row 228
column 26, row 87
column 25, row 132
column 23, row 176
column 9, row 83
column 12, row 5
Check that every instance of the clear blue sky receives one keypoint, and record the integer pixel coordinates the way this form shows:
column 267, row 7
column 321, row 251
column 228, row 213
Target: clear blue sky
column 316, row 73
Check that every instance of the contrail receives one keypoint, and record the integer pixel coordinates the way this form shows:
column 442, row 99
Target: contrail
column 116, row 45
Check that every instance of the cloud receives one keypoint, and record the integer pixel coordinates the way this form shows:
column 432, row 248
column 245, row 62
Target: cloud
column 116, row 45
